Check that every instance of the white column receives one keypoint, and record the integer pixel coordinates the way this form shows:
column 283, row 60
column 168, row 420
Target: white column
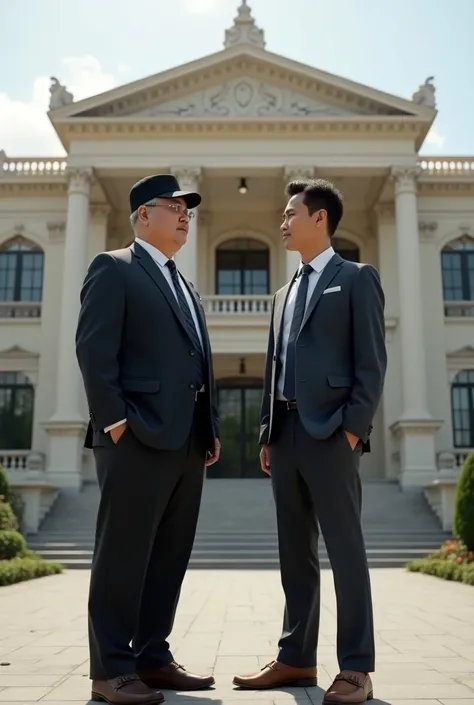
column 415, row 430
column 295, row 173
column 410, row 291
column 67, row 425
column 187, row 257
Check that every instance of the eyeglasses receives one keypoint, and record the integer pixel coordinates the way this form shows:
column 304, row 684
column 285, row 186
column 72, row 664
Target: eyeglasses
column 176, row 208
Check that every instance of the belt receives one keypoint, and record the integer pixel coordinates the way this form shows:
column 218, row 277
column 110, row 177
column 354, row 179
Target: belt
column 286, row 405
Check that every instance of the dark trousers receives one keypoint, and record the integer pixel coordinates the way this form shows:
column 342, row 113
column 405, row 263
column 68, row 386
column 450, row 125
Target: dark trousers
column 317, row 481
column 146, row 526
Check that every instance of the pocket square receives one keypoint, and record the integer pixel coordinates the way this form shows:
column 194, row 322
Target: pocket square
column 331, row 289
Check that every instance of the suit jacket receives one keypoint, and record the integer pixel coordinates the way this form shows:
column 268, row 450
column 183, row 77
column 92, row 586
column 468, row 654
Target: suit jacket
column 340, row 355
column 136, row 359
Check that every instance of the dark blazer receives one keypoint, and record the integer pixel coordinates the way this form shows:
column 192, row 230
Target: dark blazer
column 341, row 357
column 135, row 356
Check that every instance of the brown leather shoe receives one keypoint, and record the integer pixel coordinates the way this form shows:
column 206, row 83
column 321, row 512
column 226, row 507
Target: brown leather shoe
column 175, row 677
column 125, row 690
column 276, row 675
column 349, row 688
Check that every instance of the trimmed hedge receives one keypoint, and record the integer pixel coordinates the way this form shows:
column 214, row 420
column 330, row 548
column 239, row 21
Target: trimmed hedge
column 17, row 570
column 12, row 544
column 17, row 562
column 464, row 512
column 449, row 570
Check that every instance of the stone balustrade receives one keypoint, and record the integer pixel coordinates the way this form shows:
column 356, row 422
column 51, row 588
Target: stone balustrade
column 32, row 166
column 447, row 166
column 240, row 305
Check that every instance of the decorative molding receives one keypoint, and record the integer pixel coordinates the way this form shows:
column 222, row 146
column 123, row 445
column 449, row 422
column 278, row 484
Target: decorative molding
column 180, row 128
column 100, row 211
column 16, row 352
column 427, row 230
column 57, row 231
column 26, row 189
column 416, row 427
column 244, row 30
column 385, row 212
column 297, row 173
column 446, row 188
column 245, row 97
column 80, row 181
column 188, row 177
column 405, row 178
column 458, row 360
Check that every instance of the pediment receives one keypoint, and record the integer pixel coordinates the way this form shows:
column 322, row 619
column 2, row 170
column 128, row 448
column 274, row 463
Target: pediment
column 245, row 96
column 243, row 81
column 16, row 352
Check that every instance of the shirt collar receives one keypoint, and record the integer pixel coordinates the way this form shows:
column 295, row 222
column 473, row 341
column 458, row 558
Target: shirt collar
column 153, row 251
column 321, row 260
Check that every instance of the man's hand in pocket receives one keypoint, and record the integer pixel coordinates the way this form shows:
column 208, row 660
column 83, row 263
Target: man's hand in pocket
column 117, row 432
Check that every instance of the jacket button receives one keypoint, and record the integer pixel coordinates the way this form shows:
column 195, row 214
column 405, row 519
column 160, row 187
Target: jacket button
column 191, row 352
column 192, row 386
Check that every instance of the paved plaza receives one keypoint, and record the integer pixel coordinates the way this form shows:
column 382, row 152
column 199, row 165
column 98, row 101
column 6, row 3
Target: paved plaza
column 229, row 622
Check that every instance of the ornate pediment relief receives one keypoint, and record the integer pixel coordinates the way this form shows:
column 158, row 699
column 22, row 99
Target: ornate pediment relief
column 245, row 97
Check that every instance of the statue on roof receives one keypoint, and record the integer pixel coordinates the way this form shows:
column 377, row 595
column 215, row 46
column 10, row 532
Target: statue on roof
column 59, row 96
column 244, row 29
column 425, row 95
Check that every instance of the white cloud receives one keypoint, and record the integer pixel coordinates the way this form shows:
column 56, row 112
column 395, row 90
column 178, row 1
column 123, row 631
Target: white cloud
column 25, row 129
column 201, row 7
column 434, row 141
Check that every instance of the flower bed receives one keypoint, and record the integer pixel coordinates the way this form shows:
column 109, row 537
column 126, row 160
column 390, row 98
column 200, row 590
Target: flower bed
column 453, row 561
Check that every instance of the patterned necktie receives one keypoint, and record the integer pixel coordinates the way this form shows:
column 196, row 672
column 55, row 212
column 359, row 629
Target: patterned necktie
column 289, row 389
column 189, row 324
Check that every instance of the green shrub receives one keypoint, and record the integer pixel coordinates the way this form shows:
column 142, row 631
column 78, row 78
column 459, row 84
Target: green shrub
column 440, row 568
column 19, row 569
column 464, row 509
column 4, row 484
column 12, row 544
column 8, row 520
column 17, row 504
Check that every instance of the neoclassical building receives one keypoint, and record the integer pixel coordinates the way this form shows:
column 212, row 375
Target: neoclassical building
column 237, row 125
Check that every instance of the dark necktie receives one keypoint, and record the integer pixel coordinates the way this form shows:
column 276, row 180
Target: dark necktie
column 289, row 389
column 188, row 324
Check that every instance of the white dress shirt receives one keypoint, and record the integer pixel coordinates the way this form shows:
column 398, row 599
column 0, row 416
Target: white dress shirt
column 160, row 259
column 318, row 264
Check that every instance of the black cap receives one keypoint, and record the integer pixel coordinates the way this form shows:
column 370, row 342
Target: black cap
column 160, row 186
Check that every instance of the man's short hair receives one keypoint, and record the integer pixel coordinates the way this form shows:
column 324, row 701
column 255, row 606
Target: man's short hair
column 319, row 193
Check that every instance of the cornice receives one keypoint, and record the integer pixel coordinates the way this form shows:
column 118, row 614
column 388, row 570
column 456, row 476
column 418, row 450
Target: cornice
column 445, row 187
column 262, row 66
column 24, row 189
column 337, row 128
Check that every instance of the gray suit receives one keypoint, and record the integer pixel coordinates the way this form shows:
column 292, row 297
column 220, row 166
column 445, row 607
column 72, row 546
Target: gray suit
column 340, row 363
column 138, row 362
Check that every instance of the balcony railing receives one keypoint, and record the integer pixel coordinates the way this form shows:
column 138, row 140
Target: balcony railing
column 20, row 309
column 447, row 166
column 14, row 460
column 459, row 309
column 240, row 305
column 32, row 166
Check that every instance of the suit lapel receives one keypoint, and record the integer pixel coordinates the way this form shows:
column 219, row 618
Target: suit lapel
column 153, row 270
column 328, row 274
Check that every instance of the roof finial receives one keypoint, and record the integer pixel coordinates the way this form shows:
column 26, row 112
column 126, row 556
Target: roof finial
column 244, row 29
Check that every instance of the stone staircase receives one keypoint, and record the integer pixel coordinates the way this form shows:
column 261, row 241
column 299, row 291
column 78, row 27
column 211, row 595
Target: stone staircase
column 237, row 527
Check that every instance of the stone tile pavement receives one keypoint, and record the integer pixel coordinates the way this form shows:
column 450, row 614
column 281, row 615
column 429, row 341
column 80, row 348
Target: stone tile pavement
column 229, row 622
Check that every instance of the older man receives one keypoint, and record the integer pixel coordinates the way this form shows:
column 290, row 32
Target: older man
column 145, row 357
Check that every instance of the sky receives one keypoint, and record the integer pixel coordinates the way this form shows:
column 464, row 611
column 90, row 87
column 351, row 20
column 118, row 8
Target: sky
column 92, row 46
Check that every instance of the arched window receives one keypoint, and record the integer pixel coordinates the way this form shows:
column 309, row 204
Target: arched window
column 16, row 411
column 242, row 268
column 346, row 249
column 457, row 266
column 462, row 402
column 21, row 271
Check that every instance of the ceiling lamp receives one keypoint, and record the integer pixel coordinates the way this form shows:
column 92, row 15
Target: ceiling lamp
column 243, row 187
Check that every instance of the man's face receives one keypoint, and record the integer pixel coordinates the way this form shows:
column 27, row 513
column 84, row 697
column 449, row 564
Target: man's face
column 167, row 224
column 299, row 229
